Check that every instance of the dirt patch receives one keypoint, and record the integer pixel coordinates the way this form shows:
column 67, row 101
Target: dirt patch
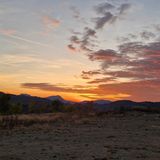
column 130, row 136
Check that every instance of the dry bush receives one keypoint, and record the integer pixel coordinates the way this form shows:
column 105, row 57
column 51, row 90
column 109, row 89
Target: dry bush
column 8, row 122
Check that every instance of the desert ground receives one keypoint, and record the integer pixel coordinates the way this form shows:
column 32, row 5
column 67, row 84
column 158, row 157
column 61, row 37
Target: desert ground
column 125, row 136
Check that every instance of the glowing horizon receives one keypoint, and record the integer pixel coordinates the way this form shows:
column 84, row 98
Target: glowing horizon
column 84, row 50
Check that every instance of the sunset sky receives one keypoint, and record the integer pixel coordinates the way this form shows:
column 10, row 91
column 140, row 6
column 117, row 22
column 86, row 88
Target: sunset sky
column 81, row 49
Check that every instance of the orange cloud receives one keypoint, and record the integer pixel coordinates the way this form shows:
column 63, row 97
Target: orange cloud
column 50, row 22
column 146, row 90
column 117, row 96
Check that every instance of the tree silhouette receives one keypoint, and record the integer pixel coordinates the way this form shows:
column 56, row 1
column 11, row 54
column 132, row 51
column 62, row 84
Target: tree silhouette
column 5, row 103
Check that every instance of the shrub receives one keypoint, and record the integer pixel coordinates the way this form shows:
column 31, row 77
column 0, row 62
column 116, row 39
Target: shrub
column 58, row 106
column 16, row 109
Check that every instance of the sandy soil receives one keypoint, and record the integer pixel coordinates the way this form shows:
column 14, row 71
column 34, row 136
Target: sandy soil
column 133, row 136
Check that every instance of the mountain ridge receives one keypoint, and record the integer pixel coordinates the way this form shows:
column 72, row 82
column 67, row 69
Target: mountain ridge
column 99, row 105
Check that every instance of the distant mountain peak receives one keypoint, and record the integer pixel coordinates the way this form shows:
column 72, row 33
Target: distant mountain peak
column 56, row 97
column 27, row 95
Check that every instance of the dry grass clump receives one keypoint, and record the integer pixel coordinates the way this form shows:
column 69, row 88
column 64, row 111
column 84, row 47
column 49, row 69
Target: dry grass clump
column 46, row 119
column 41, row 118
column 8, row 122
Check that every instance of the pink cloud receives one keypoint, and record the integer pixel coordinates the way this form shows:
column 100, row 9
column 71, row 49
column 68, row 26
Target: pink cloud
column 7, row 32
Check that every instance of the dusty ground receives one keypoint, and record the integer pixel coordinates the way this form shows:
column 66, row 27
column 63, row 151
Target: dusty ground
column 133, row 136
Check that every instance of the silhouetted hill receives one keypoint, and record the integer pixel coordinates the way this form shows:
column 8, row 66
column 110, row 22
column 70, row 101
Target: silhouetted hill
column 121, row 105
column 127, row 105
column 98, row 105
column 27, row 99
column 102, row 102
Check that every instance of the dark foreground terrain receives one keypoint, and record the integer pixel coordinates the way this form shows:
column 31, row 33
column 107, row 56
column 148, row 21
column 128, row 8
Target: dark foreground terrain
column 129, row 136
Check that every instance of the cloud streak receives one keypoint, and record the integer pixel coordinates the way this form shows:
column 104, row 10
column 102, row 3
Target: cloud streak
column 50, row 87
column 12, row 34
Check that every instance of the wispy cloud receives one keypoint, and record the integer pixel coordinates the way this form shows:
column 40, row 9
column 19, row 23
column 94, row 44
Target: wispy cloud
column 109, row 13
column 77, row 14
column 83, row 43
column 146, row 35
column 103, row 7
